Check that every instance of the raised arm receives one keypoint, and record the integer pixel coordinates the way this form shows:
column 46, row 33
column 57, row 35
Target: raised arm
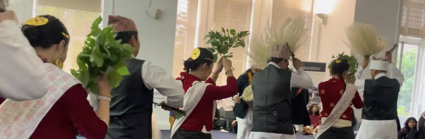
column 22, row 74
column 300, row 78
column 155, row 77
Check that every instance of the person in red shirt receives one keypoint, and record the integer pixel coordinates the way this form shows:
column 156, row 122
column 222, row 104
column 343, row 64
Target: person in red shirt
column 331, row 92
column 314, row 112
column 64, row 111
column 201, row 94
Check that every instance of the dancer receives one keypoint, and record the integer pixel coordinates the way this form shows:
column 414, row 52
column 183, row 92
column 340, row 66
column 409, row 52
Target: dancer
column 201, row 94
column 337, row 96
column 131, row 105
column 64, row 110
column 380, row 99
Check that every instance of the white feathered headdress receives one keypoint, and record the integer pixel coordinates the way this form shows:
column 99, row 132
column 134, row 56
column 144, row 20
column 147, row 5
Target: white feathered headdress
column 363, row 39
column 292, row 33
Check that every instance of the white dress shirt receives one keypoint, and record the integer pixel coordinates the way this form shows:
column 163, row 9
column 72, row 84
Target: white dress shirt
column 155, row 77
column 299, row 79
column 22, row 74
column 392, row 73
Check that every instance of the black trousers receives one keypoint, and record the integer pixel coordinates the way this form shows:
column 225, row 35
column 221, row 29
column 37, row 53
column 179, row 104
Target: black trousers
column 181, row 134
column 338, row 133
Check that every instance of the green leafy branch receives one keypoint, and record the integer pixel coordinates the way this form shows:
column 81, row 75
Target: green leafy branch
column 351, row 60
column 221, row 42
column 102, row 54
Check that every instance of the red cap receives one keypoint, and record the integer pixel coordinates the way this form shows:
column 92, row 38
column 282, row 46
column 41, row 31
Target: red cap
column 121, row 24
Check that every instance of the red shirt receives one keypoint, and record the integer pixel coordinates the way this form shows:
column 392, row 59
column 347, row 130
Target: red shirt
column 68, row 116
column 203, row 112
column 330, row 92
column 315, row 120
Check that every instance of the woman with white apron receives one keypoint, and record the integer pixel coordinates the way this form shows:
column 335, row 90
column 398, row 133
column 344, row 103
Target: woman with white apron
column 201, row 94
column 64, row 111
column 337, row 96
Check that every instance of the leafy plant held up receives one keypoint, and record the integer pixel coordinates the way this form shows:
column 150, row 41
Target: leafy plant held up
column 222, row 41
column 351, row 60
column 102, row 54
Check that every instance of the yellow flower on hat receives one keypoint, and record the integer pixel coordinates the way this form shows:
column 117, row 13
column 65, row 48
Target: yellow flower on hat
column 338, row 61
column 37, row 21
column 195, row 53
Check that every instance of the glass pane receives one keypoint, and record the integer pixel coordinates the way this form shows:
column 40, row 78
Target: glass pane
column 78, row 23
column 408, row 66
column 185, row 33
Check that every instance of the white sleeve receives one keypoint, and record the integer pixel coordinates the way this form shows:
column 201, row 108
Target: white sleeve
column 393, row 72
column 359, row 72
column 301, row 79
column 359, row 82
column 22, row 74
column 155, row 77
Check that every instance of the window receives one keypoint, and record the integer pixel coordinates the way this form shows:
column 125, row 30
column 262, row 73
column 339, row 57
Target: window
column 185, row 33
column 408, row 54
column 411, row 58
column 77, row 19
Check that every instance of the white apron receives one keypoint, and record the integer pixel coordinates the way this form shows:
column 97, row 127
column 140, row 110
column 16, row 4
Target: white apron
column 342, row 105
column 19, row 119
column 191, row 100
column 245, row 125
column 377, row 129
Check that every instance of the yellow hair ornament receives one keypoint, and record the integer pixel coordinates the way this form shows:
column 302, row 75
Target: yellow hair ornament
column 37, row 21
column 66, row 35
column 338, row 61
column 195, row 54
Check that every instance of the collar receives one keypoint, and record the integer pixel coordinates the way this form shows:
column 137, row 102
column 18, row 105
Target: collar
column 336, row 79
column 379, row 75
column 274, row 64
column 184, row 75
column 44, row 59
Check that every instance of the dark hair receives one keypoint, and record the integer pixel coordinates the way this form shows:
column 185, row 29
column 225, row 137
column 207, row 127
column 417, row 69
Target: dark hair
column 310, row 110
column 339, row 66
column 205, row 56
column 125, row 36
column 406, row 124
column 46, row 35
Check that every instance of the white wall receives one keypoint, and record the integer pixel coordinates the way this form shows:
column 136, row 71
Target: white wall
column 156, row 35
column 383, row 14
column 22, row 8
column 328, row 39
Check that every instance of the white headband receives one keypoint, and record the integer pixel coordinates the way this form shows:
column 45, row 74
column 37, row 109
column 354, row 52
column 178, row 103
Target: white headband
column 379, row 65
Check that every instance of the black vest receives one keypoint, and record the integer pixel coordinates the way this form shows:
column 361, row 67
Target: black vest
column 380, row 99
column 131, row 106
column 272, row 101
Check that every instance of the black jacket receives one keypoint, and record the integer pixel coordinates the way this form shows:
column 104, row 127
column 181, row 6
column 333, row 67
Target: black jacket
column 299, row 107
column 241, row 108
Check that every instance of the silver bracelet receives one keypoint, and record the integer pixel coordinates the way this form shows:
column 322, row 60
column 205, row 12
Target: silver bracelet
column 104, row 98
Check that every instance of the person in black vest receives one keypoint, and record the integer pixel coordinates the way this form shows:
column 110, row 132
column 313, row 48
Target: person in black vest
column 131, row 104
column 242, row 109
column 272, row 95
column 380, row 100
